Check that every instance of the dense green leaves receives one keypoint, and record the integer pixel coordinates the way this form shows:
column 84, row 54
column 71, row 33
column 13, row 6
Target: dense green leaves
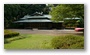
column 10, row 13
column 13, row 12
column 67, row 10
column 68, row 42
column 9, row 34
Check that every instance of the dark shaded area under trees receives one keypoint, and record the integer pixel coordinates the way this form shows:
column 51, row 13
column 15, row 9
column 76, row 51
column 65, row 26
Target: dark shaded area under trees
column 13, row 12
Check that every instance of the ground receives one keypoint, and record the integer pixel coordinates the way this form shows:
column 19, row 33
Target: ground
column 46, row 32
column 31, row 41
column 36, row 39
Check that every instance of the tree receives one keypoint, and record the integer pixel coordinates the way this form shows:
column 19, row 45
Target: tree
column 13, row 12
column 67, row 10
column 10, row 13
column 62, row 11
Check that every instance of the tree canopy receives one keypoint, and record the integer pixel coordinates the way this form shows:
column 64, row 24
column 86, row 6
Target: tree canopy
column 62, row 11
column 13, row 12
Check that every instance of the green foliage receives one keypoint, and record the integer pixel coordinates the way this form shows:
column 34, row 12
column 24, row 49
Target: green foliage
column 9, row 34
column 68, row 42
column 46, row 10
column 70, row 23
column 81, row 23
column 8, row 40
column 67, row 10
column 58, row 12
column 37, row 41
column 13, row 12
column 10, row 13
column 62, row 11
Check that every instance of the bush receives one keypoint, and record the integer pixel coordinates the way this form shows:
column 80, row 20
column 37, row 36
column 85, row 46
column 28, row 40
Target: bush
column 9, row 40
column 8, row 34
column 6, row 41
column 68, row 42
column 15, row 38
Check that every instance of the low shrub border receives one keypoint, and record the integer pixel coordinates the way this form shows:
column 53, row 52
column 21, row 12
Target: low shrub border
column 8, row 40
column 68, row 42
column 9, row 34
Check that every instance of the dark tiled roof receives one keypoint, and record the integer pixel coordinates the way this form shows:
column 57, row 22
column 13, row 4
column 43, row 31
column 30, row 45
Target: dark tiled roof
column 28, row 18
column 44, row 16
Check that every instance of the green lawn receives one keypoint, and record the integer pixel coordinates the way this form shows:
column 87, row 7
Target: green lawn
column 40, row 41
column 32, row 41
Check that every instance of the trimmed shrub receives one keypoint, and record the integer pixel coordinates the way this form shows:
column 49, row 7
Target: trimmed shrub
column 15, row 38
column 9, row 40
column 6, row 41
column 9, row 34
column 68, row 42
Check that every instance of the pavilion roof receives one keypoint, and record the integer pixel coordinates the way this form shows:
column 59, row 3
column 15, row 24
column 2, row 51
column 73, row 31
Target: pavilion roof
column 28, row 18
column 42, row 17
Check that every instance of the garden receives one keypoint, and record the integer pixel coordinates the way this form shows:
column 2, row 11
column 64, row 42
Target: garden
column 14, row 40
column 58, row 12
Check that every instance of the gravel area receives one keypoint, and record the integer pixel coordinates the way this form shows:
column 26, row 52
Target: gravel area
column 48, row 32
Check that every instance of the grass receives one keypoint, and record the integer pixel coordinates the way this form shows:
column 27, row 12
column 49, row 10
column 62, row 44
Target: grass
column 32, row 41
